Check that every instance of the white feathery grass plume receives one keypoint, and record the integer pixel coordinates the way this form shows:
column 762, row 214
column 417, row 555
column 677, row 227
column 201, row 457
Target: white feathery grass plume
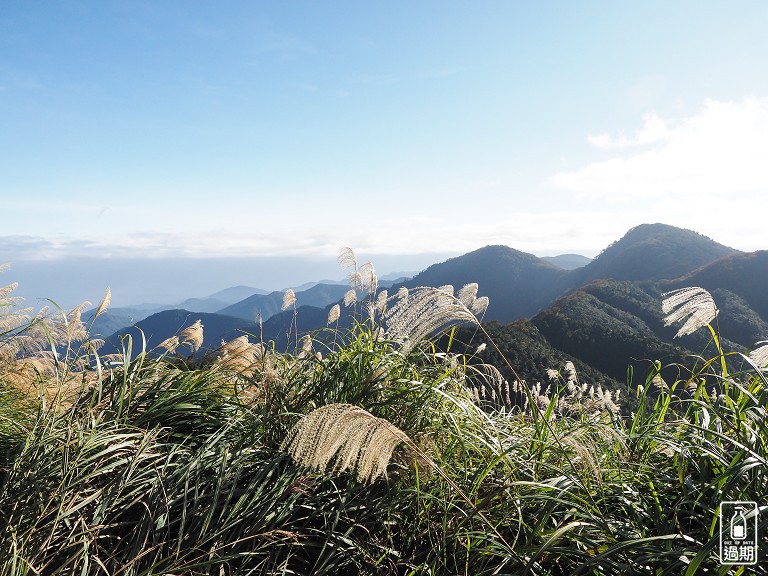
column 346, row 258
column 306, row 346
column 192, row 336
column 447, row 288
column 334, row 314
column 170, row 344
column 289, row 299
column 552, row 374
column 96, row 344
column 425, row 311
column 6, row 291
column 339, row 437
column 759, row 356
column 369, row 280
column 350, row 297
column 468, row 293
column 402, row 293
column 355, row 280
column 104, row 303
column 238, row 355
column 479, row 306
column 381, row 301
column 4, row 267
column 695, row 304
column 481, row 348
column 72, row 328
column 571, row 370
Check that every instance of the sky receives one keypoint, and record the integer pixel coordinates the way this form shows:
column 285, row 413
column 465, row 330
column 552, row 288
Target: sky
column 238, row 131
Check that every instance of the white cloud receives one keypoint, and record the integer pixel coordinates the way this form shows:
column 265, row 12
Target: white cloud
column 722, row 152
column 654, row 130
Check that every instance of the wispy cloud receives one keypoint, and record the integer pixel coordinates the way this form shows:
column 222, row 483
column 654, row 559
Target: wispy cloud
column 654, row 130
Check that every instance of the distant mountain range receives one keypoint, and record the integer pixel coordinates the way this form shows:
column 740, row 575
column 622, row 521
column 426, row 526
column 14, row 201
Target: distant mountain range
column 604, row 315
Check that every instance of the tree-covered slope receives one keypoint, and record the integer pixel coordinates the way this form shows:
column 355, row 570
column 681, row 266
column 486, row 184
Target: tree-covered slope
column 513, row 280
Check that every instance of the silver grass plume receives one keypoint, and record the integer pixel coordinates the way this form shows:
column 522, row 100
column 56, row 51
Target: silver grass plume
column 381, row 302
column 571, row 370
column 192, row 336
column 553, row 374
column 693, row 304
column 339, row 437
column 334, row 314
column 425, row 310
column 238, row 355
column 468, row 293
column 759, row 356
column 355, row 280
column 289, row 299
column 169, row 344
column 346, row 258
column 479, row 306
column 104, row 303
column 368, row 278
column 350, row 297
column 306, row 346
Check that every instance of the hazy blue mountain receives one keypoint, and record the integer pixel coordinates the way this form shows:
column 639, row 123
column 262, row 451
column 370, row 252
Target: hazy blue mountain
column 108, row 322
column 568, row 261
column 201, row 304
column 163, row 325
column 236, row 294
column 266, row 306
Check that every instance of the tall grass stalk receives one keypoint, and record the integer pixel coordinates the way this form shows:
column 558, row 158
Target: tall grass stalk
column 156, row 466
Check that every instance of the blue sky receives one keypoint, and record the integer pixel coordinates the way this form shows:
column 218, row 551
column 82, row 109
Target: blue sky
column 251, row 129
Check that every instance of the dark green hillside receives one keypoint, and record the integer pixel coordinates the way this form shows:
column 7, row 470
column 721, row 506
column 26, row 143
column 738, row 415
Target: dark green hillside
column 603, row 335
column 513, row 280
column 737, row 320
column 743, row 274
column 527, row 350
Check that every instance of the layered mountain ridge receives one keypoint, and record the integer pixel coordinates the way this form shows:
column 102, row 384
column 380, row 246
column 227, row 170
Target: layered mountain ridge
column 606, row 315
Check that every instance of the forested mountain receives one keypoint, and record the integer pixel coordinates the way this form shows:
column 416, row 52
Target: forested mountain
column 513, row 280
column 606, row 316
column 651, row 252
column 743, row 274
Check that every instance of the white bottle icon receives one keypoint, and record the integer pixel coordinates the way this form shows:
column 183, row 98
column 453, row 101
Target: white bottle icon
column 738, row 524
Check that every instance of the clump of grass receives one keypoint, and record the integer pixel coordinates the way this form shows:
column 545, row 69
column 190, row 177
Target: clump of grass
column 261, row 462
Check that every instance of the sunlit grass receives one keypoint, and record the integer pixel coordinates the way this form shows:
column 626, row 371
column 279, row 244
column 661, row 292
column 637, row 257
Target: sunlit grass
column 151, row 464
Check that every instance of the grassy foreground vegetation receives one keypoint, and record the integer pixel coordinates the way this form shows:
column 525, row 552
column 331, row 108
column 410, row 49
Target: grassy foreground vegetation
column 374, row 453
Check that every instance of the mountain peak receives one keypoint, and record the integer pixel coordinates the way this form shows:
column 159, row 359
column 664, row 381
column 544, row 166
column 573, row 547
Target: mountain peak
column 653, row 252
column 511, row 279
